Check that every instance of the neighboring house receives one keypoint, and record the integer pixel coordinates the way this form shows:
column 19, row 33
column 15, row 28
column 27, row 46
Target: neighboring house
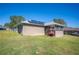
column 2, row 28
column 70, row 30
column 38, row 28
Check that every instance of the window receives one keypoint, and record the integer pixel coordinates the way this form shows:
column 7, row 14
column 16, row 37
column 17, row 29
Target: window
column 58, row 28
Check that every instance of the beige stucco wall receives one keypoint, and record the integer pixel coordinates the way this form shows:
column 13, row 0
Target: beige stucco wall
column 59, row 33
column 32, row 30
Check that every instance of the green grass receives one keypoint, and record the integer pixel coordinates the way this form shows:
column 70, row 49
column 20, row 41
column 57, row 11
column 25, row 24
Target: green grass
column 12, row 43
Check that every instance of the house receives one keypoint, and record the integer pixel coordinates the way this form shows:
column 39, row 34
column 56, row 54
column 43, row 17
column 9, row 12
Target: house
column 2, row 28
column 70, row 30
column 34, row 28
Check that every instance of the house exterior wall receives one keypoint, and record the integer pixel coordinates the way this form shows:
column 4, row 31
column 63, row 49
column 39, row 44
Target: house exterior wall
column 59, row 33
column 32, row 30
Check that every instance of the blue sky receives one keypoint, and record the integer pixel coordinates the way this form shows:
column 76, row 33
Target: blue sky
column 41, row 12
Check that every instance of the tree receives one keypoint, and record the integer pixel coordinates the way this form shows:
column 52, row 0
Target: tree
column 60, row 21
column 14, row 20
column 6, row 24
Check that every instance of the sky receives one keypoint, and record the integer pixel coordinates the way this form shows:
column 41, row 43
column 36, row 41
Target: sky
column 44, row 12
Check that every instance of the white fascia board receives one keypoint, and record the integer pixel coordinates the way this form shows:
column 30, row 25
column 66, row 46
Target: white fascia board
column 49, row 23
column 24, row 22
column 52, row 23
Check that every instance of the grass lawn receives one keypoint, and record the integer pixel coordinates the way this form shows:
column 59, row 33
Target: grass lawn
column 13, row 43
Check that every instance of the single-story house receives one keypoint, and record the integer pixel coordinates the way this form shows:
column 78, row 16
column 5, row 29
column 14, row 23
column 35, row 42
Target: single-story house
column 38, row 28
column 2, row 28
column 70, row 30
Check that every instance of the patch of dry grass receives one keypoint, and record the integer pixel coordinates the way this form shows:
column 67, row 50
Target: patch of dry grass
column 13, row 43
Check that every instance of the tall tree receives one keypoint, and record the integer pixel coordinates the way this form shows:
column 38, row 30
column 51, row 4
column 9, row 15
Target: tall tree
column 14, row 20
column 6, row 24
column 60, row 21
